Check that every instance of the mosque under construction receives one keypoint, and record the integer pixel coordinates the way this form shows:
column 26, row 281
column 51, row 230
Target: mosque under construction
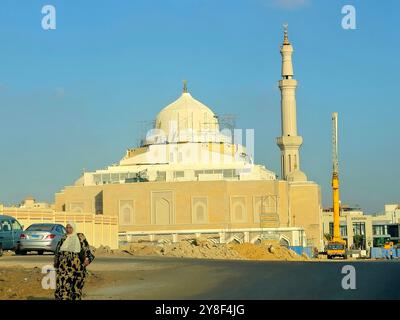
column 188, row 176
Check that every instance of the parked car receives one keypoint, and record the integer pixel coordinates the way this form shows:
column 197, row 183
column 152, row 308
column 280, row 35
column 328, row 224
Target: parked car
column 41, row 237
column 10, row 231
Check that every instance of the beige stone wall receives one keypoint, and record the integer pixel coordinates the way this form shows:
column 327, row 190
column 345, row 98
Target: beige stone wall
column 150, row 206
column 305, row 204
column 98, row 229
column 77, row 201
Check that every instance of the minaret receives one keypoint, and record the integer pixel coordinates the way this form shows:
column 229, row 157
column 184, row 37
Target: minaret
column 289, row 142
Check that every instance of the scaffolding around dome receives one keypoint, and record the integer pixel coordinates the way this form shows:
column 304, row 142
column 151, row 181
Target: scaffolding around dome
column 186, row 144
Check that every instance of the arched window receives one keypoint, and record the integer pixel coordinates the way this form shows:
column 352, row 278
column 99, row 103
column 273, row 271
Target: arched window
column 200, row 214
column 284, row 242
column 199, row 210
column 126, row 212
column 126, row 215
column 163, row 211
column 239, row 212
column 238, row 209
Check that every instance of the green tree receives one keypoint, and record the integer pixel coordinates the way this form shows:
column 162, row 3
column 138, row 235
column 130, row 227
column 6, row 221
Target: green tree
column 358, row 241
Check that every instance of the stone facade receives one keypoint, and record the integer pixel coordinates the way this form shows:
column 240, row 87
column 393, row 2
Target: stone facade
column 185, row 205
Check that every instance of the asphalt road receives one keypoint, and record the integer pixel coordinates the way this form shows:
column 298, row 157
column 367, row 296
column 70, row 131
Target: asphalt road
column 172, row 278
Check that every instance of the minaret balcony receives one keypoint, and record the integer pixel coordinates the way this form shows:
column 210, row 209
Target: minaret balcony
column 289, row 141
column 287, row 83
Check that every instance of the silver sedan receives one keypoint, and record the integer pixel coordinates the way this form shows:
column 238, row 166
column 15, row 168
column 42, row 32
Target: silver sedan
column 40, row 237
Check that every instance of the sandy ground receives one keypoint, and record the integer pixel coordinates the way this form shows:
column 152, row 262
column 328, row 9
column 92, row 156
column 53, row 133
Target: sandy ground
column 189, row 269
column 118, row 276
column 113, row 276
column 17, row 283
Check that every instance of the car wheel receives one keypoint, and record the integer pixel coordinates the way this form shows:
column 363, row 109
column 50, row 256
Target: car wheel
column 40, row 252
column 1, row 250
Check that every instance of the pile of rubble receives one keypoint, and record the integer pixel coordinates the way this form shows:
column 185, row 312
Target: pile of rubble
column 106, row 251
column 206, row 249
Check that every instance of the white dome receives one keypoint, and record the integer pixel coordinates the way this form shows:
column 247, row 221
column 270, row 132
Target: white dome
column 186, row 114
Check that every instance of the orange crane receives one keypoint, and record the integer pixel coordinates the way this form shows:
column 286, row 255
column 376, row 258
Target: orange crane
column 337, row 246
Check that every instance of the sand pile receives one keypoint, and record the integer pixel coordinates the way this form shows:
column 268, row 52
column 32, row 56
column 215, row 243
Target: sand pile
column 269, row 250
column 204, row 248
column 106, row 251
column 102, row 250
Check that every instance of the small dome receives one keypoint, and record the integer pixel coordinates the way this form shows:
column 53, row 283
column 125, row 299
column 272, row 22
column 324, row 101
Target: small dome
column 186, row 114
column 296, row 176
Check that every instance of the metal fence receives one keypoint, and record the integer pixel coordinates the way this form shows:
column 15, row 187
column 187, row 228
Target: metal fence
column 381, row 253
column 300, row 250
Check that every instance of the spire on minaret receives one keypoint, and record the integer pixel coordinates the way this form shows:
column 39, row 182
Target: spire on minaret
column 286, row 52
column 185, row 89
column 285, row 34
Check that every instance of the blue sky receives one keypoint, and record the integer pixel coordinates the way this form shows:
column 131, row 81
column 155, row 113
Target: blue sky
column 73, row 98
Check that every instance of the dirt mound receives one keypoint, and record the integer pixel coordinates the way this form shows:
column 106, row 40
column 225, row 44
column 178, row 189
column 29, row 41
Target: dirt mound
column 101, row 250
column 205, row 248
column 106, row 251
column 270, row 250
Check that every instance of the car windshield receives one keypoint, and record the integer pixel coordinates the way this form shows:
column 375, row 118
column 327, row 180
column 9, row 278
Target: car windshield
column 336, row 247
column 40, row 227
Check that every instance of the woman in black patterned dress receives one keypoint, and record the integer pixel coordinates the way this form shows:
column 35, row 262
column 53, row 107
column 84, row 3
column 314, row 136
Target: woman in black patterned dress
column 71, row 258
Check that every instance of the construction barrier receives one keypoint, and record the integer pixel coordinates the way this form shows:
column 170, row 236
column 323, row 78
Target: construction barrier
column 300, row 250
column 381, row 253
column 99, row 230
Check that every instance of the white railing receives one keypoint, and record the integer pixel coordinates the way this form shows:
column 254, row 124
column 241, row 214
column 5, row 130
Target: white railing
column 297, row 234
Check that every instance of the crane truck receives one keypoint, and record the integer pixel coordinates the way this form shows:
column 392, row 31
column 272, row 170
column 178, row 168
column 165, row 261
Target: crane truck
column 336, row 246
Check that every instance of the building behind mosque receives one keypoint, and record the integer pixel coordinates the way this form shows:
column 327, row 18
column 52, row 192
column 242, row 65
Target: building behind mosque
column 189, row 177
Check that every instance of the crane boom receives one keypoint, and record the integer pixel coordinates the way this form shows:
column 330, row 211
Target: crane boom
column 335, row 179
column 335, row 157
column 337, row 245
